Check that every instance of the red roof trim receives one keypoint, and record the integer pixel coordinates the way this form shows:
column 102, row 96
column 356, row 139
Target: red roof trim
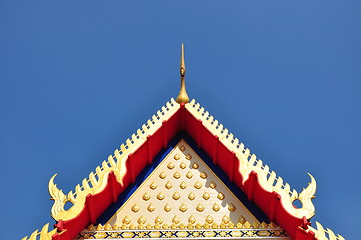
column 269, row 202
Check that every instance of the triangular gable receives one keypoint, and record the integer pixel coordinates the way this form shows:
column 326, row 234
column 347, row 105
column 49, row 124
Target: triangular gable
column 182, row 189
column 260, row 184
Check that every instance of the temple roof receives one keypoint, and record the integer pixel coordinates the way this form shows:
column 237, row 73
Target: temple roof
column 261, row 185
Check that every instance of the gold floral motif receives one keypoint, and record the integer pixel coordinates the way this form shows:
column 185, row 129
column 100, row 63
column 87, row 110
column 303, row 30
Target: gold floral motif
column 176, row 157
column 124, row 226
column 189, row 175
column 191, row 196
column 157, row 226
column 160, row 196
column 176, row 196
column 162, row 175
column 183, row 185
column 231, row 225
column 151, row 208
column 176, row 175
column 135, row 208
column 206, row 196
column 198, row 226
column 247, row 225
column 215, row 207
column 213, row 185
column 192, row 219
column 158, row 220
column 182, row 226
column 209, row 219
column 141, row 220
column 175, row 219
column 166, row 226
column 214, row 225
column 153, row 186
column 182, row 148
column 188, row 156
column 220, row 196
column 132, row 226
column 198, row 185
column 167, row 207
column 241, row 219
column 168, row 185
column 231, row 207
column 183, row 165
column 126, row 220
column 200, row 207
column 206, row 226
column 183, row 207
column 203, row 175
column 170, row 165
column 195, row 165
column 225, row 219
column 146, row 196
column 264, row 225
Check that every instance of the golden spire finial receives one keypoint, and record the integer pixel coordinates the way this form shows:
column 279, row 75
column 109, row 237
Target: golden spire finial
column 182, row 96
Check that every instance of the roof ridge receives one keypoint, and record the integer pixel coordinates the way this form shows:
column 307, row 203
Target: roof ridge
column 248, row 162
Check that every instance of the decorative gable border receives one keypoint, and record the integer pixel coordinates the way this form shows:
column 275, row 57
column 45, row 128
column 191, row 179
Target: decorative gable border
column 96, row 193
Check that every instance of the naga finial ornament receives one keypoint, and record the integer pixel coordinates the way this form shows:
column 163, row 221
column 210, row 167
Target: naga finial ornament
column 182, row 96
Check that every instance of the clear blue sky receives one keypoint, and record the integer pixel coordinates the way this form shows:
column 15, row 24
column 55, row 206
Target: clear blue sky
column 79, row 77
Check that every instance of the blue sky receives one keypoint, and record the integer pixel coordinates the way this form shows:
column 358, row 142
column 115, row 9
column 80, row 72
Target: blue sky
column 77, row 78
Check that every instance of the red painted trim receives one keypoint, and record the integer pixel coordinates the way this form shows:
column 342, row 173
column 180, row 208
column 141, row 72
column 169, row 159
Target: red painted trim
column 268, row 202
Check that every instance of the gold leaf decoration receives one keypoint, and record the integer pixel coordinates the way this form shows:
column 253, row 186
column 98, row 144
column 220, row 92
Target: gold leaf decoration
column 135, row 208
column 183, row 185
column 209, row 219
column 225, row 219
column 175, row 219
column 167, row 207
column 183, row 207
column 158, row 220
column 170, row 165
column 176, row 175
column 195, row 165
column 198, row 185
column 151, row 208
column 126, row 220
column 192, row 219
column 191, row 196
column 241, row 219
column 168, row 185
column 188, row 156
column 141, row 220
column 176, row 196
column 189, row 175
column 153, row 186
column 200, row 207
column 146, row 196
column 213, row 185
column 176, row 157
column 215, row 207
column 231, row 207
column 182, row 165
column 220, row 196
column 182, row 148
column 160, row 196
column 203, row 175
column 206, row 196
column 162, row 175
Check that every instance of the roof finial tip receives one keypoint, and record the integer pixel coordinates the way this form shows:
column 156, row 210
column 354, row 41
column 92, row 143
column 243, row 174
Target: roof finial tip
column 182, row 96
